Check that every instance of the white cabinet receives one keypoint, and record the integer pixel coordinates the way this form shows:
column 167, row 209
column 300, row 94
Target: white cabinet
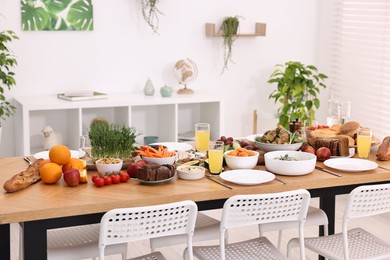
column 166, row 118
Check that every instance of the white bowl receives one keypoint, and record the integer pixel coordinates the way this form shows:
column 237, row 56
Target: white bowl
column 305, row 163
column 274, row 147
column 241, row 162
column 165, row 160
column 104, row 168
column 190, row 172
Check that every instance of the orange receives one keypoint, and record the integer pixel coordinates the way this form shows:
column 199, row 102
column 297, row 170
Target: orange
column 59, row 154
column 50, row 173
column 74, row 163
column 43, row 162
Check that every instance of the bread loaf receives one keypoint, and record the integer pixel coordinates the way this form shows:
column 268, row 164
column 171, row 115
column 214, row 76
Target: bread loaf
column 338, row 146
column 24, row 179
column 156, row 172
column 383, row 153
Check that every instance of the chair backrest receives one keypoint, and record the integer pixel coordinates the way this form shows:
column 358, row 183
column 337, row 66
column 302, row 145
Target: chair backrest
column 132, row 224
column 245, row 210
column 368, row 200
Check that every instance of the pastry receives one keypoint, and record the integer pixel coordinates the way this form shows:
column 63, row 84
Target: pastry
column 383, row 153
column 323, row 133
column 24, row 179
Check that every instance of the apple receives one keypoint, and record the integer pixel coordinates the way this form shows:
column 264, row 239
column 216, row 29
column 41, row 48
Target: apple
column 132, row 169
column 323, row 153
column 308, row 149
column 72, row 177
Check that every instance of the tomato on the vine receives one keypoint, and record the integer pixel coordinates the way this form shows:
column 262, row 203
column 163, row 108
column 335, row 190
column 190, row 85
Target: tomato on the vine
column 94, row 177
column 99, row 182
column 107, row 180
column 115, row 178
column 124, row 176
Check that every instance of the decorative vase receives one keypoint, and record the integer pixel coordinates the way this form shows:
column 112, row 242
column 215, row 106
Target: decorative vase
column 166, row 91
column 149, row 88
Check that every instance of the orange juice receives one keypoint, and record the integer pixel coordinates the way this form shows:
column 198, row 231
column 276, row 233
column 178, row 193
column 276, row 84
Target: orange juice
column 215, row 160
column 363, row 145
column 202, row 138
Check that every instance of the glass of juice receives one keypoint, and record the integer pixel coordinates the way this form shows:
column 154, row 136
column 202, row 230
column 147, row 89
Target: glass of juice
column 202, row 136
column 215, row 154
column 364, row 142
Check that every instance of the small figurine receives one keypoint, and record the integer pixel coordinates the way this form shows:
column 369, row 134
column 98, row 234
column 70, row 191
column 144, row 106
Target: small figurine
column 50, row 138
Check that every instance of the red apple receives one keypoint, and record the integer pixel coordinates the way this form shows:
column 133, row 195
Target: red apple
column 72, row 177
column 323, row 153
column 308, row 149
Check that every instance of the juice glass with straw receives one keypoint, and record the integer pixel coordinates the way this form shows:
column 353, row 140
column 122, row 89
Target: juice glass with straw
column 202, row 136
column 364, row 142
column 215, row 154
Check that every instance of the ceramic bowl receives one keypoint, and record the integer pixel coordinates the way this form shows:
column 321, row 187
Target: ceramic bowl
column 274, row 147
column 238, row 162
column 165, row 160
column 107, row 165
column 304, row 164
column 190, row 172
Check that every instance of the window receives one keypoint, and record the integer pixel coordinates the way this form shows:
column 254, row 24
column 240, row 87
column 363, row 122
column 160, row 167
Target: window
column 360, row 60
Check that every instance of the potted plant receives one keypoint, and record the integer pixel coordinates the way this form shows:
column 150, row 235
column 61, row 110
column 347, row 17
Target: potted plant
column 7, row 80
column 297, row 88
column 229, row 28
column 150, row 12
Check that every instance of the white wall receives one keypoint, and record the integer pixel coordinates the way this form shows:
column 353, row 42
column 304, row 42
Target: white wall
column 122, row 52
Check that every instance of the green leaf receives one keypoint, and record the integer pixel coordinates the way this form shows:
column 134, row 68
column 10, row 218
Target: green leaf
column 56, row 6
column 80, row 15
column 317, row 103
column 309, row 104
column 34, row 19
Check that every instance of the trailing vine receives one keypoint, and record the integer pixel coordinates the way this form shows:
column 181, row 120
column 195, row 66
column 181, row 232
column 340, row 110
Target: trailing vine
column 229, row 28
column 151, row 13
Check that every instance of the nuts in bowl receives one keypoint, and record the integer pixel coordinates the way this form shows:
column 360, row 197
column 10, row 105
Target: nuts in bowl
column 241, row 158
column 106, row 165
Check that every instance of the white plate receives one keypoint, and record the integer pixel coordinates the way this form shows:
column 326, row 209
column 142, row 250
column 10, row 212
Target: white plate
column 351, row 154
column 73, row 154
column 154, row 182
column 351, row 164
column 175, row 146
column 247, row 177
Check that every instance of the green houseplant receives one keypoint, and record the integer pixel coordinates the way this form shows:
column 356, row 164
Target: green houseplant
column 151, row 13
column 229, row 29
column 297, row 88
column 7, row 80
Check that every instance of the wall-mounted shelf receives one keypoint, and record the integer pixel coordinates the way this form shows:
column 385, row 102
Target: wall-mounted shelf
column 260, row 30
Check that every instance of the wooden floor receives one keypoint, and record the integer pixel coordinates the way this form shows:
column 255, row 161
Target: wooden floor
column 378, row 225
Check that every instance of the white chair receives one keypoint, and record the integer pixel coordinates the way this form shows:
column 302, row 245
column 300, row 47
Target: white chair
column 245, row 210
column 132, row 224
column 315, row 217
column 356, row 243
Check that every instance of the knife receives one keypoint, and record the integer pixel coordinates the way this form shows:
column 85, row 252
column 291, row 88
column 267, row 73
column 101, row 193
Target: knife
column 326, row 170
column 216, row 181
column 384, row 168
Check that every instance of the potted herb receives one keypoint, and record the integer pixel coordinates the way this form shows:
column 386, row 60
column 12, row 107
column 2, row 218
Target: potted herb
column 7, row 80
column 229, row 28
column 150, row 12
column 111, row 140
column 297, row 88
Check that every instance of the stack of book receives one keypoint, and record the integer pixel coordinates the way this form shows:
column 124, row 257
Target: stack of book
column 81, row 95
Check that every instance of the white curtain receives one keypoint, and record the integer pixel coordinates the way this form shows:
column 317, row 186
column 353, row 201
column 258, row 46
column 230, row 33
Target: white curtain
column 360, row 60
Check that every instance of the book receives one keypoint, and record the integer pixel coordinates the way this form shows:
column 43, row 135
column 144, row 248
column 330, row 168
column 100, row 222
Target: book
column 94, row 96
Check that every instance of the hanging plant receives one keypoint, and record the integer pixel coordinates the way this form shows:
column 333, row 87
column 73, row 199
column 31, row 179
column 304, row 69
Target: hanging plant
column 150, row 12
column 229, row 28
column 7, row 80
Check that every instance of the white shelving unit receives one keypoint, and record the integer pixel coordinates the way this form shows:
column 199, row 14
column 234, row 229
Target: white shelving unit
column 166, row 118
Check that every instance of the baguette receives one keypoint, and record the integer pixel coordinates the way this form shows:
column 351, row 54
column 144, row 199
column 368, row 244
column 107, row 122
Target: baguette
column 24, row 179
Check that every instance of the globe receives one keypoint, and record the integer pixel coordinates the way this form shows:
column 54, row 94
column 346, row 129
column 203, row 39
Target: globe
column 185, row 72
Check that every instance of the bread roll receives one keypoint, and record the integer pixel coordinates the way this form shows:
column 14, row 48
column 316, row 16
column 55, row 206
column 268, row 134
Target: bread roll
column 383, row 153
column 323, row 133
column 24, row 179
column 350, row 128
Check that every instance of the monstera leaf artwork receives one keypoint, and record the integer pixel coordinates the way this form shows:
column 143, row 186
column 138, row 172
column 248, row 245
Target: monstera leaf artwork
column 54, row 15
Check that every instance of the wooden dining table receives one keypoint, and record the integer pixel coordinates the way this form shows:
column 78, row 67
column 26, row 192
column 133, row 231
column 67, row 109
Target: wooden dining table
column 41, row 207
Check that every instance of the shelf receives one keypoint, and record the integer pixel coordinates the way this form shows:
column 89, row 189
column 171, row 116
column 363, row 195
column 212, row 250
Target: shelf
column 260, row 29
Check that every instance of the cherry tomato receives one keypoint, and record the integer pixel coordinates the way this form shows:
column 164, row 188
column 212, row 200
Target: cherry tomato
column 115, row 178
column 107, row 180
column 99, row 182
column 124, row 176
column 94, row 177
